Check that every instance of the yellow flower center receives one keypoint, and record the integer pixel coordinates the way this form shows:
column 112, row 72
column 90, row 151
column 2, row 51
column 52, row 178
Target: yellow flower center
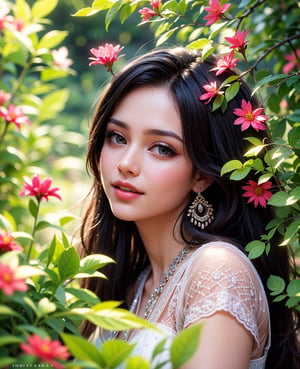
column 249, row 116
column 258, row 190
column 45, row 348
column 7, row 277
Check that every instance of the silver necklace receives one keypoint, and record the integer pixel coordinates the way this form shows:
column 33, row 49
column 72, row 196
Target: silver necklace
column 166, row 276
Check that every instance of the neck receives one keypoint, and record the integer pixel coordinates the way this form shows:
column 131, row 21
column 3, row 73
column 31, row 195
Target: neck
column 162, row 243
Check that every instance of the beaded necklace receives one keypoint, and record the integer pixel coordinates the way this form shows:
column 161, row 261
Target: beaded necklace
column 166, row 276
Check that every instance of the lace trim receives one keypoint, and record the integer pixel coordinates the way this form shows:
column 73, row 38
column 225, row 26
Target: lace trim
column 223, row 301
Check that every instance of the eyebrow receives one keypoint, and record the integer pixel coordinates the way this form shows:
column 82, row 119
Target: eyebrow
column 149, row 131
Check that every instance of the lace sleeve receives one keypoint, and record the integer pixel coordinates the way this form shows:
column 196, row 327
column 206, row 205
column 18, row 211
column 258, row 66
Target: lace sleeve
column 223, row 279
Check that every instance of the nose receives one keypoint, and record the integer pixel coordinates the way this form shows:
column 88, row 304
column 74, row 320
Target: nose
column 128, row 164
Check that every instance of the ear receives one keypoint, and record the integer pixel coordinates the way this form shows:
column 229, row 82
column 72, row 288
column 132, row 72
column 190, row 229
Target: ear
column 202, row 181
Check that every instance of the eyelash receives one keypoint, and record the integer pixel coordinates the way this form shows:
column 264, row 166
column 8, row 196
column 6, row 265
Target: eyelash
column 113, row 136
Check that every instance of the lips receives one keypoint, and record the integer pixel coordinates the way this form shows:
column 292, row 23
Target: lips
column 126, row 187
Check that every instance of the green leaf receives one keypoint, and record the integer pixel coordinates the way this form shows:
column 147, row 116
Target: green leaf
column 184, row 345
column 86, row 12
column 33, row 208
column 51, row 250
column 112, row 12
column 52, row 104
column 239, row 174
column 65, row 220
column 52, row 39
column 81, row 349
column 254, row 151
column 9, row 339
column 7, row 311
column 292, row 229
column 270, row 80
column 254, row 140
column 293, row 288
column 84, row 295
column 231, row 166
column 218, row 101
column 232, row 91
column 41, row 8
column 199, row 44
column 115, row 352
column 275, row 284
column 45, row 307
column 112, row 318
column 91, row 263
column 137, row 362
column 68, row 263
column 255, row 249
column 164, row 37
column 282, row 198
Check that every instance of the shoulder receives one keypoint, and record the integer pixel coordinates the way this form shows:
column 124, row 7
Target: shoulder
column 220, row 266
column 220, row 253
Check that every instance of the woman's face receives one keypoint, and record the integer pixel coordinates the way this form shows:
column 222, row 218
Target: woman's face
column 145, row 171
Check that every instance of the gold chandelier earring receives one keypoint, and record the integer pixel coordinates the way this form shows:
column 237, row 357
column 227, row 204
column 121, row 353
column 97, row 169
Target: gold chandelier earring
column 200, row 212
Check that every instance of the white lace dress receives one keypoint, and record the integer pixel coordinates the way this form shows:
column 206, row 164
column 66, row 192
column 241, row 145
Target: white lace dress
column 215, row 277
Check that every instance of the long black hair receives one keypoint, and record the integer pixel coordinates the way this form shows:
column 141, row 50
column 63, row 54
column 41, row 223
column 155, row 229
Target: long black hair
column 211, row 139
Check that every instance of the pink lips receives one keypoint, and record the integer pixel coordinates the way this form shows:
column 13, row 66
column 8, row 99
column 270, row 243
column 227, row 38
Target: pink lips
column 126, row 191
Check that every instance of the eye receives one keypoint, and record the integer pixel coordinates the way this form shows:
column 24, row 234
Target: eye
column 163, row 150
column 115, row 138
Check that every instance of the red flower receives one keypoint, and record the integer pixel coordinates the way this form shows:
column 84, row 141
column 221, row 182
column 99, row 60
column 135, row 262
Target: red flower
column 60, row 57
column 46, row 350
column 225, row 63
column 4, row 97
column 215, row 11
column 8, row 282
column 7, row 242
column 106, row 55
column 156, row 3
column 147, row 13
column 238, row 40
column 258, row 193
column 14, row 114
column 38, row 188
column 212, row 90
column 294, row 61
column 249, row 117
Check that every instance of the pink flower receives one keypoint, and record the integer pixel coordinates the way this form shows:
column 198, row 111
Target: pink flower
column 258, row 193
column 249, row 117
column 106, row 55
column 147, row 13
column 38, row 188
column 4, row 97
column 7, row 242
column 60, row 57
column 294, row 61
column 215, row 11
column 225, row 63
column 46, row 350
column 8, row 282
column 156, row 3
column 14, row 114
column 212, row 90
column 238, row 40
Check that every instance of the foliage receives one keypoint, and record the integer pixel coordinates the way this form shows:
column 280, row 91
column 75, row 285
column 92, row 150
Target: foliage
column 41, row 302
column 265, row 36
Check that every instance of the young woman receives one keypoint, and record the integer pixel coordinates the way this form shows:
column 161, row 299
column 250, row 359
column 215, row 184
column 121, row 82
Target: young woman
column 176, row 228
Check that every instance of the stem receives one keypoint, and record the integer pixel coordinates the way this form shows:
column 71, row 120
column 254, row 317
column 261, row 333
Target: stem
column 21, row 78
column 249, row 11
column 33, row 231
column 4, row 132
column 251, row 69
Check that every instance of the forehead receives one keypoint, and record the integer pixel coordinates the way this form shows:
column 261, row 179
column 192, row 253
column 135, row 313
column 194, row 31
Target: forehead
column 149, row 107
